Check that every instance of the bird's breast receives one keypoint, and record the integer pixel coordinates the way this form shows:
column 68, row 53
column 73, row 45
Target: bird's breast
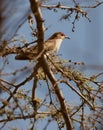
column 58, row 44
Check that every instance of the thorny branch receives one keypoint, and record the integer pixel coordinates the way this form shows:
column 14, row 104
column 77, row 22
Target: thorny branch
column 77, row 10
column 38, row 16
column 65, row 74
column 17, row 87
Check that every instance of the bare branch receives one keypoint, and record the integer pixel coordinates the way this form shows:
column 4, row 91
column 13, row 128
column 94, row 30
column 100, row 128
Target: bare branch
column 81, row 95
column 79, row 10
column 36, row 68
column 93, row 6
column 37, row 13
column 59, row 94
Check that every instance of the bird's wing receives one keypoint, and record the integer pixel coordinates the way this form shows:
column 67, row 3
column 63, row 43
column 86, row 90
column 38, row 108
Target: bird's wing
column 28, row 53
column 32, row 49
column 48, row 45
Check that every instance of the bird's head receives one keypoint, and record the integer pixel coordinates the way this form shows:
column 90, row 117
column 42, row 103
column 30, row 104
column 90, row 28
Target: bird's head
column 59, row 35
column 55, row 41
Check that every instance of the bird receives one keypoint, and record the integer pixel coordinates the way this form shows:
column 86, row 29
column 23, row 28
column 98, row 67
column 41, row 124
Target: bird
column 51, row 46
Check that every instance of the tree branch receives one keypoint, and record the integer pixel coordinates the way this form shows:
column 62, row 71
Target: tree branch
column 58, row 93
column 38, row 16
column 59, row 6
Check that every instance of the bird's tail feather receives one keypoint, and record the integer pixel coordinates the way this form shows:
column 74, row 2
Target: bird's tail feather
column 21, row 57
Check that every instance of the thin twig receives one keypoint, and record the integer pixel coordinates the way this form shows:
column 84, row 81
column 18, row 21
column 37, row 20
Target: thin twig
column 64, row 7
column 81, row 95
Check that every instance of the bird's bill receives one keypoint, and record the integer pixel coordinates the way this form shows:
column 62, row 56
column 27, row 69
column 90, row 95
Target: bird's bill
column 67, row 37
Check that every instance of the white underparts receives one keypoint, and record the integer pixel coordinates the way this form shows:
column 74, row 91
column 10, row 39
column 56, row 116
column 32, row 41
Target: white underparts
column 58, row 44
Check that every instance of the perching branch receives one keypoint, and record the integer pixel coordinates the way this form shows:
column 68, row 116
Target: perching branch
column 40, row 27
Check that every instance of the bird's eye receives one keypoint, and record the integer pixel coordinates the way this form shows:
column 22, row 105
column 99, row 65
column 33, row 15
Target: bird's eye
column 62, row 34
